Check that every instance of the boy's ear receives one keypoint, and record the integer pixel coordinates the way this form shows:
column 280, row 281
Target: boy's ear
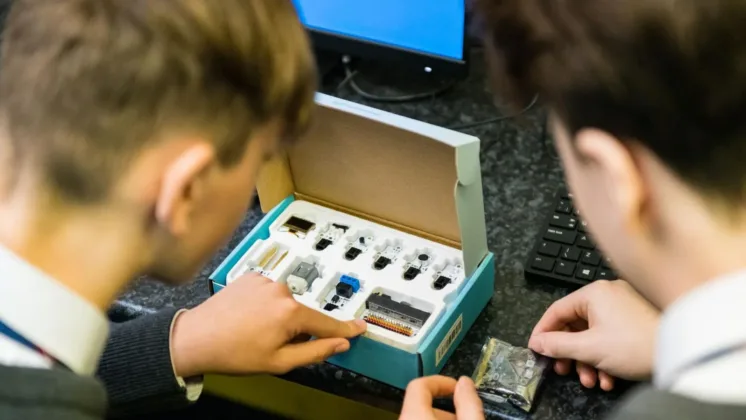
column 617, row 170
column 183, row 186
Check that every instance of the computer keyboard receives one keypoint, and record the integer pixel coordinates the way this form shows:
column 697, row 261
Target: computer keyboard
column 564, row 253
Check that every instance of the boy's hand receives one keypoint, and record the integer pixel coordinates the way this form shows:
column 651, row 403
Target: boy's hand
column 606, row 327
column 255, row 326
column 418, row 401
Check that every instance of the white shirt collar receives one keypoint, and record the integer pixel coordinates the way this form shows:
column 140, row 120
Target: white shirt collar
column 50, row 315
column 706, row 321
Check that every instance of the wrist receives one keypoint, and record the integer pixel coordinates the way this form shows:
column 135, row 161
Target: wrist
column 184, row 347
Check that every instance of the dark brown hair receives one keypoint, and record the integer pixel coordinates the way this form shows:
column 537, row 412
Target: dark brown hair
column 85, row 85
column 670, row 75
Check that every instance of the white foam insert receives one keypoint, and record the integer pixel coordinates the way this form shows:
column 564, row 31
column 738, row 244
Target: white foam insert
column 331, row 263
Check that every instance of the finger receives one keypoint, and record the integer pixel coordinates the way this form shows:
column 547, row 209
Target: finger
column 441, row 415
column 253, row 278
column 563, row 366
column 568, row 310
column 322, row 326
column 467, row 402
column 607, row 381
column 564, row 345
column 418, row 400
column 311, row 352
column 587, row 374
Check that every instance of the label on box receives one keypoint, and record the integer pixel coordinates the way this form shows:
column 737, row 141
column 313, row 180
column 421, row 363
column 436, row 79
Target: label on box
column 449, row 339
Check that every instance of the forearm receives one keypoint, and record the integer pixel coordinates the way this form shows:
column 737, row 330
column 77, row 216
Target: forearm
column 137, row 368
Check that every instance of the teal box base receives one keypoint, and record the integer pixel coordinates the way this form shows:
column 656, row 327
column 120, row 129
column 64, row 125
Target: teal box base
column 379, row 361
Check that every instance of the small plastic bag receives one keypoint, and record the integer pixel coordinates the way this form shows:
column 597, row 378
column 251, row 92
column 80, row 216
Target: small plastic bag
column 506, row 373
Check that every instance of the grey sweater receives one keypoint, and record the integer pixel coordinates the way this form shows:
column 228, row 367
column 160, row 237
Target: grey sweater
column 135, row 371
column 136, row 367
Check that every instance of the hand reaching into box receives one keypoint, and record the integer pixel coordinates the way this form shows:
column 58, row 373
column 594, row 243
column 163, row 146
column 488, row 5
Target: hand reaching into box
column 255, row 326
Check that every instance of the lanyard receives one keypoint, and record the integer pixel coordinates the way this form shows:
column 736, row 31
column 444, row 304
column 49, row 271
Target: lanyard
column 13, row 335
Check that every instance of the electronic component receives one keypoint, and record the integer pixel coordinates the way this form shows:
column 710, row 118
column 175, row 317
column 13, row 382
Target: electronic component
column 386, row 257
column 302, row 277
column 509, row 374
column 278, row 260
column 383, row 311
column 297, row 226
column 268, row 261
column 267, row 257
column 357, row 247
column 347, row 286
column 338, row 297
column 344, row 290
column 449, row 274
column 417, row 265
column 330, row 235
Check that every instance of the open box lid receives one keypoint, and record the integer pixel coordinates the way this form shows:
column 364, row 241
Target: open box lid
column 409, row 175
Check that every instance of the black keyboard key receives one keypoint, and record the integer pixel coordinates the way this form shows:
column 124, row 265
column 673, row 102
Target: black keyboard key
column 565, row 268
column 571, row 254
column 564, row 207
column 584, row 241
column 560, row 235
column 560, row 220
column 549, row 248
column 566, row 253
column 543, row 263
column 606, row 274
column 585, row 273
column 590, row 258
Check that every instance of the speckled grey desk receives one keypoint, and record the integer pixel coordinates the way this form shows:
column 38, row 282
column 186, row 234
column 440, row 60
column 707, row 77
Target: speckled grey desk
column 520, row 174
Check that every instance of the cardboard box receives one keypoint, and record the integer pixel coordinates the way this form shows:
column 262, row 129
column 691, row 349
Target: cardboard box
column 401, row 175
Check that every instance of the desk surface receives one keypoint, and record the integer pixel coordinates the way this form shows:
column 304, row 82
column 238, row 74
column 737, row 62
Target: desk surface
column 520, row 174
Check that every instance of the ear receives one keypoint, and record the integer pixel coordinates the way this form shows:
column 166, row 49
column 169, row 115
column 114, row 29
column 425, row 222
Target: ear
column 615, row 165
column 182, row 187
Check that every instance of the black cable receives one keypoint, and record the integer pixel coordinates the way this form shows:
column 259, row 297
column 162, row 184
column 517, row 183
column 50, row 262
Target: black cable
column 496, row 119
column 350, row 79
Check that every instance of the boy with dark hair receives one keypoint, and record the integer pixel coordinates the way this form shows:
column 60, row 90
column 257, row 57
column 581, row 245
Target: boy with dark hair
column 646, row 98
column 131, row 136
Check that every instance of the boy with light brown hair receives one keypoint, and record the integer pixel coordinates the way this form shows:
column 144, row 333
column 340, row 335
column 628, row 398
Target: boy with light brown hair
column 132, row 135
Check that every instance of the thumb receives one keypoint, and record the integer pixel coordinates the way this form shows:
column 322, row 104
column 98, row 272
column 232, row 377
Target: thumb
column 467, row 402
column 311, row 352
column 564, row 345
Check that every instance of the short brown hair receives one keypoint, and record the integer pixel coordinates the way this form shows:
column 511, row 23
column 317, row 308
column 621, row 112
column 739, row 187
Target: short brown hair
column 87, row 84
column 670, row 75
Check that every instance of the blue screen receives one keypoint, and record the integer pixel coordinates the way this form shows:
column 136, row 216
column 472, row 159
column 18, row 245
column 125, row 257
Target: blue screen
column 433, row 27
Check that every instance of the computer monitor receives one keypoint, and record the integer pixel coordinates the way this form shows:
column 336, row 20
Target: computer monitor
column 428, row 34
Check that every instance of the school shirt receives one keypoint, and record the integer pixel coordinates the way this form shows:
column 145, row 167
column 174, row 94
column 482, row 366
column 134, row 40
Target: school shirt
column 66, row 330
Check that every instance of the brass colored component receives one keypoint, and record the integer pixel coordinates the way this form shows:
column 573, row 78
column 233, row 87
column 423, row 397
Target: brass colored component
column 390, row 325
column 279, row 260
column 267, row 257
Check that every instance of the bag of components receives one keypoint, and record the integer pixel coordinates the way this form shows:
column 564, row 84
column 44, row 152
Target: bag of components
column 506, row 373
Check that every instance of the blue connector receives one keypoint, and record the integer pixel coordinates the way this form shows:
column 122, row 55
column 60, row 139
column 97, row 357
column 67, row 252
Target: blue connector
column 353, row 282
